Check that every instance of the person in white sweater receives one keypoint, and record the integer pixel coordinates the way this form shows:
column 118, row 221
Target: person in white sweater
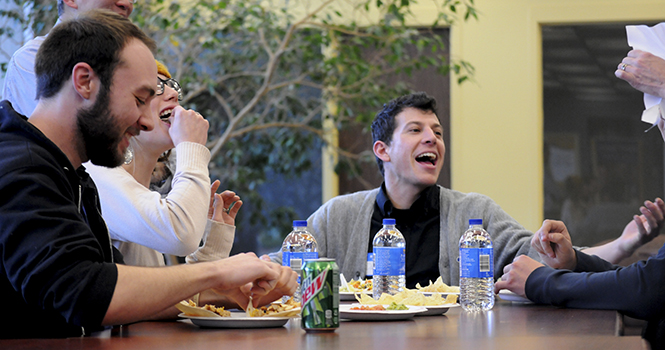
column 142, row 223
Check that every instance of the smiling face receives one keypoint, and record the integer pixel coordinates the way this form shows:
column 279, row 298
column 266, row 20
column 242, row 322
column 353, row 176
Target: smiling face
column 107, row 126
column 159, row 140
column 416, row 152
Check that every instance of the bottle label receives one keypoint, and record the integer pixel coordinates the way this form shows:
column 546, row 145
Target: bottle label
column 295, row 259
column 476, row 262
column 389, row 261
column 370, row 265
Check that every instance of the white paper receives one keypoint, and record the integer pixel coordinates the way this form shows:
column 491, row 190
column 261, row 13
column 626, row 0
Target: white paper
column 652, row 40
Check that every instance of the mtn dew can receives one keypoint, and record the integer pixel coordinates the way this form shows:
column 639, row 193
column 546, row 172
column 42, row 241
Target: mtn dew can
column 320, row 295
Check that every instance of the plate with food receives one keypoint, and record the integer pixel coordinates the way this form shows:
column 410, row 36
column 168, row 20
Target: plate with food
column 392, row 312
column 348, row 289
column 435, row 304
column 236, row 320
column 273, row 315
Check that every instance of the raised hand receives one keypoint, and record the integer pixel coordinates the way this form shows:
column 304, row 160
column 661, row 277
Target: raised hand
column 188, row 126
column 643, row 228
column 224, row 207
column 643, row 71
column 554, row 245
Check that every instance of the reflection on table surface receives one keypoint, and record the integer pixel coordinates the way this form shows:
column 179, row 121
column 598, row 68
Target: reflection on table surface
column 507, row 326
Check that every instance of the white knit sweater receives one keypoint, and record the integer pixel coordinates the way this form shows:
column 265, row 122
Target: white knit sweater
column 143, row 225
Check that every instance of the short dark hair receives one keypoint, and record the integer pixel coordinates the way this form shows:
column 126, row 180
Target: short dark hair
column 383, row 125
column 96, row 38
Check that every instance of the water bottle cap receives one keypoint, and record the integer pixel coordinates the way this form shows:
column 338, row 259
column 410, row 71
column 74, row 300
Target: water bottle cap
column 475, row 222
column 388, row 221
column 299, row 223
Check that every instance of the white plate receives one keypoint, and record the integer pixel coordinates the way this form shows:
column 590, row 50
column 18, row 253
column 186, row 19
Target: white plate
column 345, row 312
column 237, row 320
column 436, row 310
column 510, row 296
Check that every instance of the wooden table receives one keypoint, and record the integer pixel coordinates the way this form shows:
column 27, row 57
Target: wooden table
column 508, row 326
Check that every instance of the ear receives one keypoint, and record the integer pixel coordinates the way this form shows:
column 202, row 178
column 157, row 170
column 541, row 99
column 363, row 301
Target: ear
column 381, row 151
column 71, row 3
column 84, row 80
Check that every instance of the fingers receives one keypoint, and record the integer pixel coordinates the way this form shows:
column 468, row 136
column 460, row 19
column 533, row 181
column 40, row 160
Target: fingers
column 232, row 203
column 552, row 232
column 211, row 207
column 540, row 240
column 656, row 209
column 234, row 210
column 635, row 53
column 263, row 286
column 188, row 126
column 653, row 215
column 660, row 204
column 542, row 244
column 229, row 197
column 639, row 222
column 224, row 207
column 214, row 186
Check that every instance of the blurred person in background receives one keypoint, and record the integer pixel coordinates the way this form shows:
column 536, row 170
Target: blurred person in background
column 20, row 86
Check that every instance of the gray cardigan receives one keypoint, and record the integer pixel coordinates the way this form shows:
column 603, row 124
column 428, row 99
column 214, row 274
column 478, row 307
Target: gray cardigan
column 341, row 227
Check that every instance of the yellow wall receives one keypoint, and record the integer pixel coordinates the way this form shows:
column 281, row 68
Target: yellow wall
column 496, row 122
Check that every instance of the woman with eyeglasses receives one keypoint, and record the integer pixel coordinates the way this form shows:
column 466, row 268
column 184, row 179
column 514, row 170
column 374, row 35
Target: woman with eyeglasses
column 145, row 224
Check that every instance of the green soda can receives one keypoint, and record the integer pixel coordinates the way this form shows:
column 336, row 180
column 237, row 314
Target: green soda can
column 320, row 295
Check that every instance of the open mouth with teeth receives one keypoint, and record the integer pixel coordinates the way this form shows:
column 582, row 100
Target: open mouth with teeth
column 166, row 114
column 427, row 157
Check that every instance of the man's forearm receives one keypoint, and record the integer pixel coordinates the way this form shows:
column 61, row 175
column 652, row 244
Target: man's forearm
column 142, row 292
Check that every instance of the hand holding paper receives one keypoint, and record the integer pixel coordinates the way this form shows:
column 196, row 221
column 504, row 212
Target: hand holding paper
column 644, row 69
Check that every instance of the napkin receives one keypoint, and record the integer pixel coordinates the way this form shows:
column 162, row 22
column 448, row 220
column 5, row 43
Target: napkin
column 652, row 40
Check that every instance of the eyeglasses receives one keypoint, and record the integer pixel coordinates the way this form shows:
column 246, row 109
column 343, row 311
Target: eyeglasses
column 172, row 83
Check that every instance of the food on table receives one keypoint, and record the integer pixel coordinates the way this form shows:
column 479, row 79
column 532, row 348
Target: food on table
column 358, row 286
column 290, row 308
column 369, row 308
column 408, row 297
column 396, row 306
column 218, row 310
column 438, row 287
column 190, row 308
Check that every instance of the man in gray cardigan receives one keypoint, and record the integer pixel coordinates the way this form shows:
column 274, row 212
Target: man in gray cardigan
column 409, row 148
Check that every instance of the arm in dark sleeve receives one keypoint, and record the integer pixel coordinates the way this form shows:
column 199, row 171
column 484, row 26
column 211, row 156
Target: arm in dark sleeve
column 637, row 290
column 592, row 263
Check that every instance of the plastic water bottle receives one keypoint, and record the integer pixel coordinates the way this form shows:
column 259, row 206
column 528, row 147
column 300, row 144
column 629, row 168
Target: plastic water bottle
column 298, row 245
column 476, row 259
column 369, row 272
column 389, row 249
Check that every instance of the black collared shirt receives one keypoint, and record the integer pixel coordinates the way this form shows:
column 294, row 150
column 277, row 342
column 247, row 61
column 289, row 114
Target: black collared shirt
column 420, row 227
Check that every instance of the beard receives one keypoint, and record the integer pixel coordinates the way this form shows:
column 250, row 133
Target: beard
column 101, row 136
